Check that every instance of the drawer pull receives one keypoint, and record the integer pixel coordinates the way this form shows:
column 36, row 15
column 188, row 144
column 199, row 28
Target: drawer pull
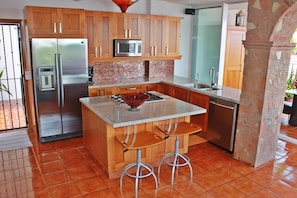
column 131, row 88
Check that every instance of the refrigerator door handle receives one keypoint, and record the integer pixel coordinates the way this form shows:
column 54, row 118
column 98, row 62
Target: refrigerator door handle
column 60, row 79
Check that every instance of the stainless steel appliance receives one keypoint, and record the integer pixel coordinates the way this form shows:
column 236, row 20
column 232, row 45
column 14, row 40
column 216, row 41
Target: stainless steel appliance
column 127, row 47
column 222, row 120
column 60, row 72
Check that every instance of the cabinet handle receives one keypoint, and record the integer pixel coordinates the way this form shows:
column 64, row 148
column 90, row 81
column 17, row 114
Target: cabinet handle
column 152, row 51
column 60, row 24
column 155, row 51
column 55, row 27
column 96, row 51
column 129, row 33
column 100, row 51
column 126, row 33
column 166, row 49
column 131, row 88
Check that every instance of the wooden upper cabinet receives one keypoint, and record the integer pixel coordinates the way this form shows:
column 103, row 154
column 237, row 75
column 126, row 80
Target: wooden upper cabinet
column 234, row 57
column 172, row 36
column 153, row 36
column 128, row 26
column 54, row 22
column 99, row 32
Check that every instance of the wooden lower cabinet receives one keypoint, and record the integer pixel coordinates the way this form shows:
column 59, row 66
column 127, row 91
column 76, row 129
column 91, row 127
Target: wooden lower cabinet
column 99, row 139
column 123, row 89
column 175, row 92
column 131, row 89
column 102, row 91
column 153, row 87
column 200, row 100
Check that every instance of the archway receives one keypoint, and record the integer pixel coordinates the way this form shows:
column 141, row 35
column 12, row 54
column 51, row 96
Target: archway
column 270, row 28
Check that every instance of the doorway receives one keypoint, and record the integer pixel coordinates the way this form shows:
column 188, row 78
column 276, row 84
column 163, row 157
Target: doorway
column 206, row 42
column 12, row 106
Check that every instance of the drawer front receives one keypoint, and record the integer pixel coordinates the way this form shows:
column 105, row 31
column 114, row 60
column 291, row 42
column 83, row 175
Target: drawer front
column 131, row 89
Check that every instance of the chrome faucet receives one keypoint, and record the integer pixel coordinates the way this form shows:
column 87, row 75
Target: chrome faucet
column 212, row 75
column 196, row 81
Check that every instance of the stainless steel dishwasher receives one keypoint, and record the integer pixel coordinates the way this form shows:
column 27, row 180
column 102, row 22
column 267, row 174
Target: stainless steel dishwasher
column 222, row 120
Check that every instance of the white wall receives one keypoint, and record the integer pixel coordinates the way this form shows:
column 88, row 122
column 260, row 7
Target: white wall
column 234, row 9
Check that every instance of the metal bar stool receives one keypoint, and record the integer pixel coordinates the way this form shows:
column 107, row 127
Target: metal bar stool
column 177, row 129
column 137, row 141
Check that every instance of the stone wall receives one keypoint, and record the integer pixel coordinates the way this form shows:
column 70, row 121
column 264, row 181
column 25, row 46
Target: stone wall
column 269, row 30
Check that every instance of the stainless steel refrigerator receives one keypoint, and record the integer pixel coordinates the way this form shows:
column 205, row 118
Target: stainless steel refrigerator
column 60, row 71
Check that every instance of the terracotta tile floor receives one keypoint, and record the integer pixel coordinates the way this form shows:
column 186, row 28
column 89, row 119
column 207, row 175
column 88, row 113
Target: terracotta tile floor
column 66, row 169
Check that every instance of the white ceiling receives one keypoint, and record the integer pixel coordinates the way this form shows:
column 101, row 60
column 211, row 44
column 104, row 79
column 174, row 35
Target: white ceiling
column 201, row 3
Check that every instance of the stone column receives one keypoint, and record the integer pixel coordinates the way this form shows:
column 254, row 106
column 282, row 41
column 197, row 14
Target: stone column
column 252, row 115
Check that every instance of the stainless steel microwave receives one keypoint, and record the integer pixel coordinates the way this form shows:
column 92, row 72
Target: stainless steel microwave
column 127, row 47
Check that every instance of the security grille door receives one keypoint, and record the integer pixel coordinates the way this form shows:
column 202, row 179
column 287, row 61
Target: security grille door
column 12, row 107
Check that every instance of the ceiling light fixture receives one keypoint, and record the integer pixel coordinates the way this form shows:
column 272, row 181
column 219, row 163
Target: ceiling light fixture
column 124, row 4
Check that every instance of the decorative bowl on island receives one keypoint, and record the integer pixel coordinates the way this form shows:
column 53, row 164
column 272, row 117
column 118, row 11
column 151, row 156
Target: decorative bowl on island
column 134, row 100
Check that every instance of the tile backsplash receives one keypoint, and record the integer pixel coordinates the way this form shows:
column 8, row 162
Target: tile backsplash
column 132, row 69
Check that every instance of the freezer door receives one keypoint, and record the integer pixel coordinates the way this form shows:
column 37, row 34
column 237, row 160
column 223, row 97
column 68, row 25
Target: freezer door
column 74, row 69
column 45, row 87
column 71, row 111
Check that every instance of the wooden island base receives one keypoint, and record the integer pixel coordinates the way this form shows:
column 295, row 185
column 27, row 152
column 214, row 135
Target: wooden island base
column 99, row 139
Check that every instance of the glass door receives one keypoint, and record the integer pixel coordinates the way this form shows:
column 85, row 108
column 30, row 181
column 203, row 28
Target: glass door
column 206, row 43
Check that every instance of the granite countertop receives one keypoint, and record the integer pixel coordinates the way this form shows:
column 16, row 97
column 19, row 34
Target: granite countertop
column 226, row 93
column 118, row 115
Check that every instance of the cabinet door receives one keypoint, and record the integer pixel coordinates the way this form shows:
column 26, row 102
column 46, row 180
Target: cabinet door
column 71, row 22
column 154, row 36
column 159, row 31
column 41, row 21
column 153, row 87
column 234, row 57
column 128, row 26
column 99, row 32
column 94, row 92
column 107, row 91
column 181, row 93
column 172, row 36
column 53, row 22
column 200, row 100
column 147, row 36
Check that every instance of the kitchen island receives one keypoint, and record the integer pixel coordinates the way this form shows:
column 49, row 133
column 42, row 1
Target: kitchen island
column 104, row 119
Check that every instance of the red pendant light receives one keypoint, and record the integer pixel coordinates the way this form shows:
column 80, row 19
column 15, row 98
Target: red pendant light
column 124, row 4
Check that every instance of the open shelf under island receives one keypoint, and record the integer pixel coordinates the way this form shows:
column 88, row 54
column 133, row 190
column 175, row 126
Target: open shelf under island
column 103, row 119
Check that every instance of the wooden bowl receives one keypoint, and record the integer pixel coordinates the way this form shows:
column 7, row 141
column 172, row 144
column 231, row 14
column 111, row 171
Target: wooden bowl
column 134, row 99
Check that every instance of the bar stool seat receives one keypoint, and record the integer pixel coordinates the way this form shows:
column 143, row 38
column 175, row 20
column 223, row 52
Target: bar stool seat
column 177, row 129
column 138, row 141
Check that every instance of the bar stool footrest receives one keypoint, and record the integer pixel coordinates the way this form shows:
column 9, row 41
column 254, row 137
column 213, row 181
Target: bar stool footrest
column 179, row 155
column 142, row 165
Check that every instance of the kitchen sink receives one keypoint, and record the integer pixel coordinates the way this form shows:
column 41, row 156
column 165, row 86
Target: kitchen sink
column 202, row 86
column 209, row 89
column 198, row 86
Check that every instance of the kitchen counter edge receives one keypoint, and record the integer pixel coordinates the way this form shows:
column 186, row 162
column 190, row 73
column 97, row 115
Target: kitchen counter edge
column 225, row 93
